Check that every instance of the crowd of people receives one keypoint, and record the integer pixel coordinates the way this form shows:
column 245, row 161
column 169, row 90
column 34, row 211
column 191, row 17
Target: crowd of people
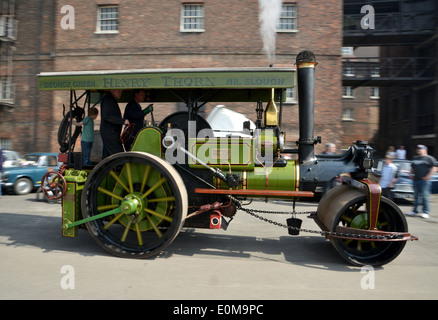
column 423, row 167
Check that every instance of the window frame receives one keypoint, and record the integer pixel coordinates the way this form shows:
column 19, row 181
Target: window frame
column 200, row 26
column 349, row 71
column 375, row 90
column 348, row 114
column 6, row 90
column 347, row 51
column 375, row 72
column 99, row 20
column 291, row 95
column 293, row 22
column 348, row 92
column 8, row 27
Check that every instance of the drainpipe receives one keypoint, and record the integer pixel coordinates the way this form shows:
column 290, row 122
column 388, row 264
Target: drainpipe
column 37, row 71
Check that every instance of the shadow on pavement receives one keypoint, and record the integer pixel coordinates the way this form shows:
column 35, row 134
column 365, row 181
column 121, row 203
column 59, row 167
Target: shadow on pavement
column 45, row 232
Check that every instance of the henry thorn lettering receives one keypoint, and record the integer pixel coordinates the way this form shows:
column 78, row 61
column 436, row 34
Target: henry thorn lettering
column 170, row 81
column 126, row 82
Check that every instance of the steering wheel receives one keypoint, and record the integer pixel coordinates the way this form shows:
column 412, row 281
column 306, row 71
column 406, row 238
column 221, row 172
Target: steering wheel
column 53, row 185
column 127, row 133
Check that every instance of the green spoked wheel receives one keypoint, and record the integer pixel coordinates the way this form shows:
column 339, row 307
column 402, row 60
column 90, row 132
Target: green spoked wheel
column 346, row 206
column 143, row 200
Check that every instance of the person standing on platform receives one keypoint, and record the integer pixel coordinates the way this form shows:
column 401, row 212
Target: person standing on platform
column 135, row 114
column 87, row 137
column 111, row 123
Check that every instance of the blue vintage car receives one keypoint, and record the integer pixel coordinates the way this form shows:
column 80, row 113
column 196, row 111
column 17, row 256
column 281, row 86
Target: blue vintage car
column 23, row 179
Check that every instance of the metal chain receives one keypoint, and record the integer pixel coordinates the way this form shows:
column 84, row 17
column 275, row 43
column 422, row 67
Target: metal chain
column 252, row 212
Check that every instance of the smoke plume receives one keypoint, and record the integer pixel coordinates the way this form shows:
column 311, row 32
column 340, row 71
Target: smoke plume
column 268, row 17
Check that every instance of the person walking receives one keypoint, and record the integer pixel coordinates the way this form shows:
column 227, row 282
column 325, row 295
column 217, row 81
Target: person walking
column 422, row 169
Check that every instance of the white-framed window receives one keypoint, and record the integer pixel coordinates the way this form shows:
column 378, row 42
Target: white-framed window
column 3, row 26
column 288, row 21
column 347, row 92
column 347, row 51
column 107, row 19
column 349, row 71
column 375, row 72
column 5, row 143
column 8, row 27
column 375, row 93
column 6, row 90
column 291, row 95
column 192, row 18
column 348, row 114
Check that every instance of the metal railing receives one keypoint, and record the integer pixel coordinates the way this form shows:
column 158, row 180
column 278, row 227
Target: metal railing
column 392, row 23
column 393, row 68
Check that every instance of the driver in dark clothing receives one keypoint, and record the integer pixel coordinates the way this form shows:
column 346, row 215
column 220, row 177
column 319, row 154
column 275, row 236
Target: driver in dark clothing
column 111, row 123
column 135, row 114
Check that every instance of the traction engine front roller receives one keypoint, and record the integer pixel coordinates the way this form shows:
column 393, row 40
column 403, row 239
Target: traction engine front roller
column 345, row 208
column 134, row 204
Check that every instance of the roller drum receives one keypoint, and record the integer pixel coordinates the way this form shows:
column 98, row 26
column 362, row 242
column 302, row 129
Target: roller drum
column 346, row 206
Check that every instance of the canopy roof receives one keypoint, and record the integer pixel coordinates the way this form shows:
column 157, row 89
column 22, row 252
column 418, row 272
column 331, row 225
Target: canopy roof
column 212, row 84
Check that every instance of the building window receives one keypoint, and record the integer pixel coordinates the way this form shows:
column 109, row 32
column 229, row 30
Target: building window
column 5, row 143
column 8, row 27
column 348, row 92
column 192, row 18
column 349, row 71
column 288, row 19
column 6, row 92
column 347, row 51
column 375, row 72
column 108, row 19
column 374, row 93
column 291, row 95
column 348, row 114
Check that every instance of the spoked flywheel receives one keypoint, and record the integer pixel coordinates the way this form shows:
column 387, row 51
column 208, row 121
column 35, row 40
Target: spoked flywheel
column 346, row 207
column 142, row 201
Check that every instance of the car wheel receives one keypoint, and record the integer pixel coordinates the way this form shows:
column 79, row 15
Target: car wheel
column 23, row 186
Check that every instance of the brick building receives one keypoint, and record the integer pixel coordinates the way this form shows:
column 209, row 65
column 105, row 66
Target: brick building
column 127, row 34
column 360, row 104
column 26, row 120
column 407, row 33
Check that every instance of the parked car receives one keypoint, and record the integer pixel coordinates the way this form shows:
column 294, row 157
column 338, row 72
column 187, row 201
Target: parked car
column 434, row 180
column 23, row 179
column 11, row 159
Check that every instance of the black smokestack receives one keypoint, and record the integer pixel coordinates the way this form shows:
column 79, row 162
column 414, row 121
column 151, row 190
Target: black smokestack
column 306, row 63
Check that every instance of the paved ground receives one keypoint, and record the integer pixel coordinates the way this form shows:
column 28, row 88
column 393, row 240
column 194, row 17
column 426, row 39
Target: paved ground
column 251, row 260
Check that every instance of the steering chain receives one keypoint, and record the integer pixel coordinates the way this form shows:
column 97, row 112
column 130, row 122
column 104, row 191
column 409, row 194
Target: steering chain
column 253, row 212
